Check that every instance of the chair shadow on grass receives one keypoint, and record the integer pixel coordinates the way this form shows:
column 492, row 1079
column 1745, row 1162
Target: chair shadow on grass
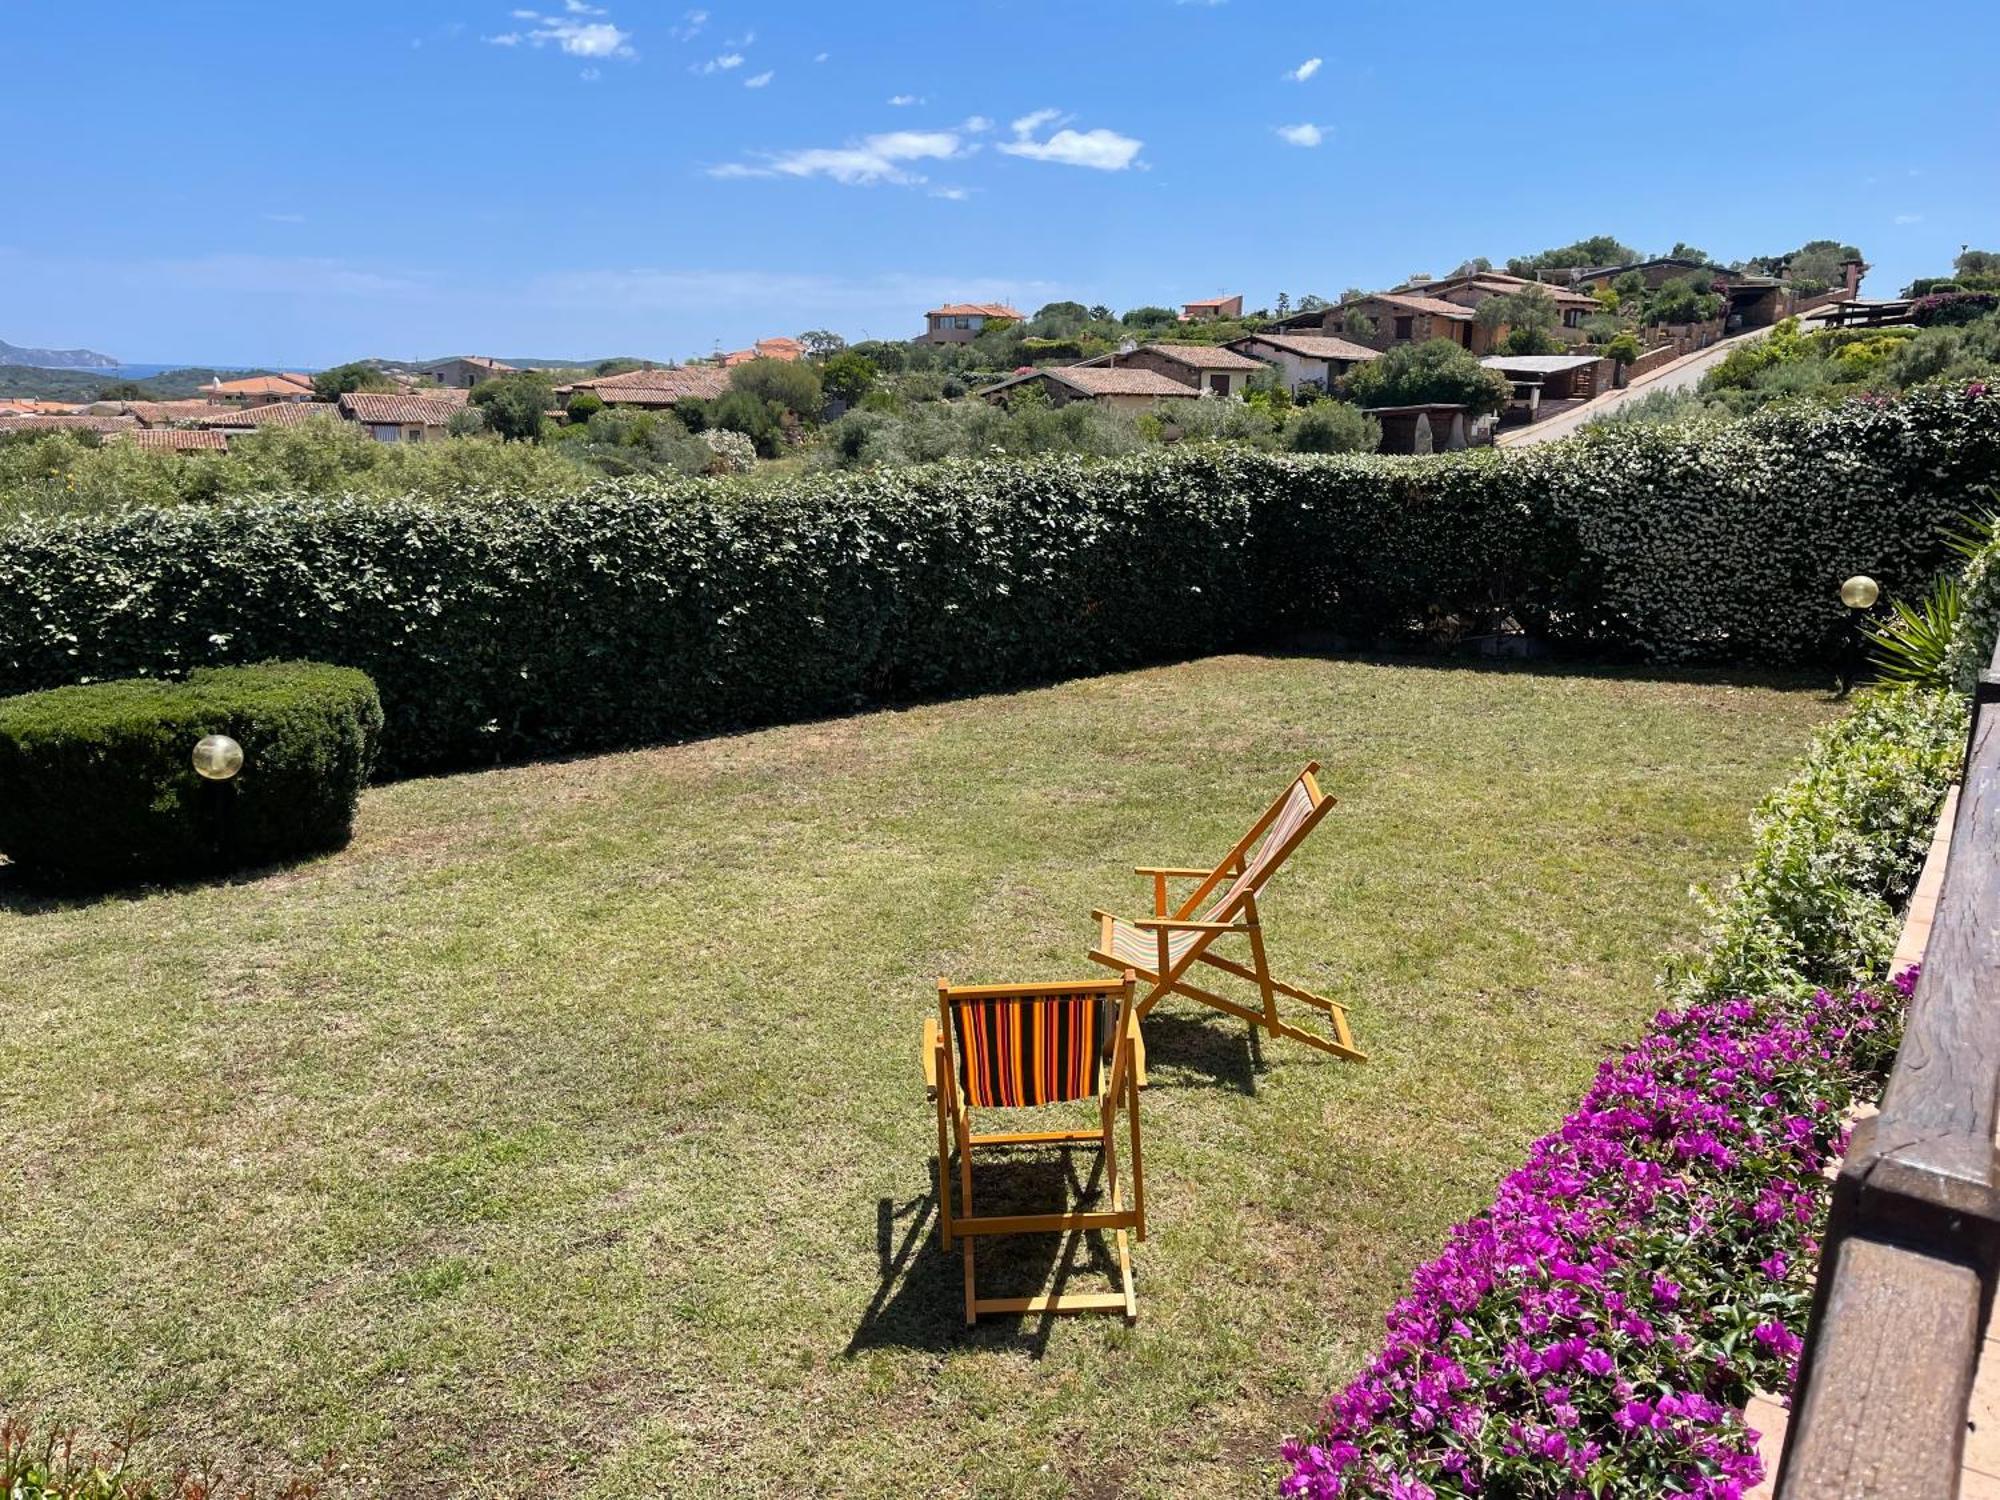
column 1204, row 1051
column 920, row 1303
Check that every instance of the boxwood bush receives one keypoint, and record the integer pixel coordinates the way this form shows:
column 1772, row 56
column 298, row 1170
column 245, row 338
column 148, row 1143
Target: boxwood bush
column 97, row 782
column 642, row 610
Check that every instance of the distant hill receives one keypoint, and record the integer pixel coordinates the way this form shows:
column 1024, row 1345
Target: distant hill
column 88, row 385
column 55, row 359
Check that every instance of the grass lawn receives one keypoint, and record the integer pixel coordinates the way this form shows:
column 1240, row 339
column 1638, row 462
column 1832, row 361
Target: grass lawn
column 566, row 1133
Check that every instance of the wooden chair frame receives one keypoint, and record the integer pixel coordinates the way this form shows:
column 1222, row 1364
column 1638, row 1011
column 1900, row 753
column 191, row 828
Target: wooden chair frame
column 1167, row 976
column 957, row 1140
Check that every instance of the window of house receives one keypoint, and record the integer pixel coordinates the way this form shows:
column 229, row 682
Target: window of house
column 1405, row 327
column 961, row 322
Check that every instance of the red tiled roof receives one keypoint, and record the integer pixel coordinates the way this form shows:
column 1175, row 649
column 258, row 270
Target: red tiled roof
column 57, row 422
column 1213, row 301
column 974, row 310
column 277, row 414
column 179, row 439
column 1437, row 307
column 1101, row 381
column 1204, row 356
column 1314, row 346
column 656, row 387
column 24, row 406
column 261, row 385
column 163, row 413
column 372, row 406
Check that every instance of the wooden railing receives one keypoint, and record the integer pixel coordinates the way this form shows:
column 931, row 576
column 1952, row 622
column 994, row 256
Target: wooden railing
column 1912, row 1246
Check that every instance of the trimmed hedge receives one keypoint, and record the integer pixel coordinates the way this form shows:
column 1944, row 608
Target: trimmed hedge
column 641, row 611
column 96, row 783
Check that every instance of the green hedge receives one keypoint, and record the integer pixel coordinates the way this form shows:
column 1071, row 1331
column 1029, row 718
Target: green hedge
column 97, row 782
column 641, row 611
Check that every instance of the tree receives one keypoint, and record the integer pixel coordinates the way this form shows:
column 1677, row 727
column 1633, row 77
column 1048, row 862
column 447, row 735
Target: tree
column 122, row 390
column 1598, row 250
column 847, row 377
column 617, row 366
column 1283, row 306
column 331, row 385
column 1437, row 370
column 516, row 406
column 1331, row 427
column 583, row 405
column 743, row 411
column 1623, row 348
column 821, row 343
column 1357, row 324
column 1684, row 251
column 1529, row 316
column 1313, row 303
column 786, row 385
column 1150, row 317
column 1099, row 313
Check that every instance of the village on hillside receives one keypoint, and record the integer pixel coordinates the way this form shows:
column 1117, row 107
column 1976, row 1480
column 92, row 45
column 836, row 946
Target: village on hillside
column 1553, row 339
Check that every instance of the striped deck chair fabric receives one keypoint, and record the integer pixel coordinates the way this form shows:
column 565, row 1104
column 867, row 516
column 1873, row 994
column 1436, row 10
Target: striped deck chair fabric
column 1015, row 1052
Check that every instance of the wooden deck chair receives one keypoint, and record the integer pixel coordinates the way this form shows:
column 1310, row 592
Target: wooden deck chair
column 1020, row 1045
column 1164, row 947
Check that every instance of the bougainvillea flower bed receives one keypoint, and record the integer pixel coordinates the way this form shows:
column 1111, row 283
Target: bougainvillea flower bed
column 1598, row 1330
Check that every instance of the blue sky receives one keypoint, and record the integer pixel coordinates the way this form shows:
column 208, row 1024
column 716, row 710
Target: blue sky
column 299, row 184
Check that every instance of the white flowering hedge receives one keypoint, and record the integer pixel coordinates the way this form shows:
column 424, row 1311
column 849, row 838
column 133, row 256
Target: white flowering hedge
column 641, row 611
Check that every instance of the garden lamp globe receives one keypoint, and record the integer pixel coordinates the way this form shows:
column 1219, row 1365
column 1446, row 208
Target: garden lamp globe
column 1860, row 592
column 217, row 757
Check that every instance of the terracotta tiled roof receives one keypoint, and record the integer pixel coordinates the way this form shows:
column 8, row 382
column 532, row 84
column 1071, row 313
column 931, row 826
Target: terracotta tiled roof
column 974, row 310
column 1437, row 307
column 165, row 413
column 57, row 422
column 1096, row 380
column 656, row 387
column 372, row 406
column 780, row 348
column 1204, row 356
column 1212, row 301
column 1314, row 346
column 262, row 385
column 23, row 406
column 179, row 439
column 1562, row 296
column 277, row 414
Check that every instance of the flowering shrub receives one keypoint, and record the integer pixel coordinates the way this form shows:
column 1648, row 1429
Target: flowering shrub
column 1597, row 1331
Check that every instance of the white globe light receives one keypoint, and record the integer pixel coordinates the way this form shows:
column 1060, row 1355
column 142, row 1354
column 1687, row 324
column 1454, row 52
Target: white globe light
column 1860, row 592
column 217, row 757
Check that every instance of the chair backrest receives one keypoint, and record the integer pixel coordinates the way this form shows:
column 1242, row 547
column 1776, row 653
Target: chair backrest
column 1023, row 1045
column 1265, row 847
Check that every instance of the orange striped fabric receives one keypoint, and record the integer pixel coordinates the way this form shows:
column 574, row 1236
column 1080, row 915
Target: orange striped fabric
column 1014, row 1052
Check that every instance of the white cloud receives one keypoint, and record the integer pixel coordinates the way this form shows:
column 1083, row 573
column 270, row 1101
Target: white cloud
column 1304, row 70
column 976, row 125
column 873, row 159
column 576, row 38
column 904, row 101
column 820, row 57
column 1909, row 218
column 760, row 79
column 690, row 27
column 1103, row 150
column 723, row 63
column 590, row 75
column 954, row 194
column 1301, row 135
column 741, row 41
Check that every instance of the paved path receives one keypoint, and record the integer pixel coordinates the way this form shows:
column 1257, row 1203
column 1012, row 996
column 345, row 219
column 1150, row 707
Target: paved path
column 1682, row 374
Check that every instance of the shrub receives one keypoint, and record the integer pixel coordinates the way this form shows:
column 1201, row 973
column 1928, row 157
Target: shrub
column 96, row 782
column 1437, row 370
column 1331, row 427
column 734, row 453
column 1952, row 308
column 642, row 610
column 51, row 1464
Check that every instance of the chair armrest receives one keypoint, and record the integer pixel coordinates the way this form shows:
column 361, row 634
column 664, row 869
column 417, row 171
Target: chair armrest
column 1175, row 924
column 930, row 1057
column 1170, row 870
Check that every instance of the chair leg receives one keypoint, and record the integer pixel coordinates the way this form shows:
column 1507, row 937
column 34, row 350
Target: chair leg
column 971, row 1295
column 1125, row 1278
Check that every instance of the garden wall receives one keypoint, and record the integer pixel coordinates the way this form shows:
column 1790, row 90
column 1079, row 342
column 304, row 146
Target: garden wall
column 642, row 612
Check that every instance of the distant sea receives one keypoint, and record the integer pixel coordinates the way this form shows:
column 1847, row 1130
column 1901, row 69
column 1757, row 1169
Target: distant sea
column 146, row 372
